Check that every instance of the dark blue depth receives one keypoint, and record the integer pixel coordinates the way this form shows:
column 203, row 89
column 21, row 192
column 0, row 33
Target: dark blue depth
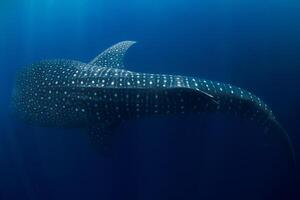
column 252, row 44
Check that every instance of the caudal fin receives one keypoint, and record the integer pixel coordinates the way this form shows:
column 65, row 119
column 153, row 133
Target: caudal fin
column 276, row 131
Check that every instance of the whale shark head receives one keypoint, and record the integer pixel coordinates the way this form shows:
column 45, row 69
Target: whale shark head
column 50, row 93
column 43, row 93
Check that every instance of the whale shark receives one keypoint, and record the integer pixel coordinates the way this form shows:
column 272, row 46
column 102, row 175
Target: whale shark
column 99, row 95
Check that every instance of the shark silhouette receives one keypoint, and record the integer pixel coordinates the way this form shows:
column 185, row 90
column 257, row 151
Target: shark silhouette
column 100, row 94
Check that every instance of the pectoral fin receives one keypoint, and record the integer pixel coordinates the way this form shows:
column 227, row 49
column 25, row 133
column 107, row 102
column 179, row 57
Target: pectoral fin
column 101, row 135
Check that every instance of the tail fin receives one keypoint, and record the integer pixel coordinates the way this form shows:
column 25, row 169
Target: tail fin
column 274, row 128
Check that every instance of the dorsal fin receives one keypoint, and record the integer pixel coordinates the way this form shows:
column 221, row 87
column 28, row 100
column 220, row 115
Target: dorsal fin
column 113, row 56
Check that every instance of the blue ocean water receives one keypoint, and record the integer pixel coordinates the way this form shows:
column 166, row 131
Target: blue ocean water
column 253, row 44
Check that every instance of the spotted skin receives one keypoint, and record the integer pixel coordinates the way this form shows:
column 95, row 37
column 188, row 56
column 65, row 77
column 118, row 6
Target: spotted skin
column 113, row 56
column 101, row 94
column 70, row 93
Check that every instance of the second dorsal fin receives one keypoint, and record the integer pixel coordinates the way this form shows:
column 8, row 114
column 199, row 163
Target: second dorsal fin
column 113, row 56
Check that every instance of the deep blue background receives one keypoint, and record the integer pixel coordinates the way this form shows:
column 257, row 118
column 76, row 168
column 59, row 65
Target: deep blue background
column 251, row 43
